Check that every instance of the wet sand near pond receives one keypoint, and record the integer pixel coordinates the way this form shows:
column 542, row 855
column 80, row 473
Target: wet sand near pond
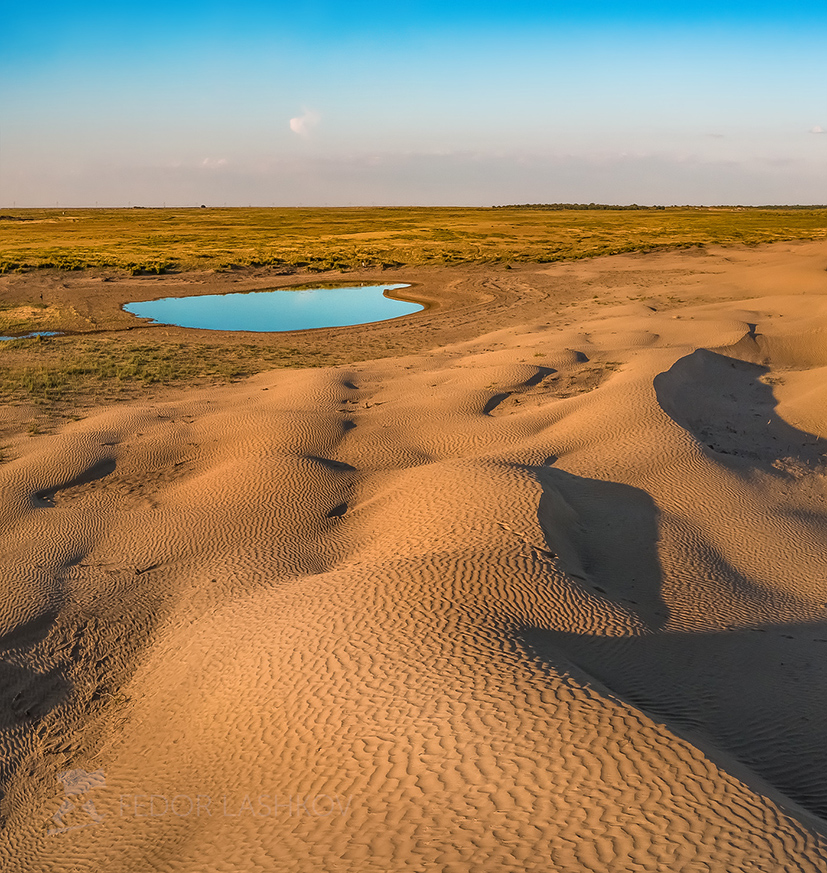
column 543, row 587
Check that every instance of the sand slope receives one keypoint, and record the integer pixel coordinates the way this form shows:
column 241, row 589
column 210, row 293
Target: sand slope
column 553, row 597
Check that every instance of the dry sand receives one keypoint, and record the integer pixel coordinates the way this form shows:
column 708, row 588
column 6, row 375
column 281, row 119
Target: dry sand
column 549, row 597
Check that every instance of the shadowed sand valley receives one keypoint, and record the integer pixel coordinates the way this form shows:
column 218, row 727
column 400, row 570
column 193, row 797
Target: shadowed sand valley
column 549, row 594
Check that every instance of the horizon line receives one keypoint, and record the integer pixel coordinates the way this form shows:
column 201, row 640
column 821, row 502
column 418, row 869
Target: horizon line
column 562, row 206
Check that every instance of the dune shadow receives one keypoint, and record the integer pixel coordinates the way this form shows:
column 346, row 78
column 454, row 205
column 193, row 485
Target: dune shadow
column 728, row 405
column 28, row 633
column 330, row 464
column 494, row 401
column 99, row 470
column 758, row 694
column 538, row 377
column 604, row 535
column 532, row 382
column 26, row 698
column 26, row 695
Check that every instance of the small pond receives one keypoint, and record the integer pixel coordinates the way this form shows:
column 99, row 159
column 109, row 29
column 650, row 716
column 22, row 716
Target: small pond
column 287, row 309
column 31, row 335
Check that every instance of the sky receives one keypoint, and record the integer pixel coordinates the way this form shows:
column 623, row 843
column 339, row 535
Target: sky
column 412, row 102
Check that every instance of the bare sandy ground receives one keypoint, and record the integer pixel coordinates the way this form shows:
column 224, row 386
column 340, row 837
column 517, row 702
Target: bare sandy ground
column 549, row 597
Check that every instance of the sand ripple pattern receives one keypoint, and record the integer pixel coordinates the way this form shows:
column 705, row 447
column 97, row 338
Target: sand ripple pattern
column 553, row 600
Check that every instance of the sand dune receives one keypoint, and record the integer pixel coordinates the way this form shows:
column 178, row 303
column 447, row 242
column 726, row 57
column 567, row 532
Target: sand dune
column 552, row 596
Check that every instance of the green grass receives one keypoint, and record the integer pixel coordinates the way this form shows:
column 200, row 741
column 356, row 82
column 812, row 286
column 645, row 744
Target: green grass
column 69, row 369
column 169, row 240
column 65, row 368
column 19, row 319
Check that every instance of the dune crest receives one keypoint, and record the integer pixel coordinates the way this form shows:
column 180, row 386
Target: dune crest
column 546, row 598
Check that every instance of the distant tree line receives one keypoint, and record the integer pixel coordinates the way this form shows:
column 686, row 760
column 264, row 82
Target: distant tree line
column 814, row 206
column 578, row 206
column 615, row 207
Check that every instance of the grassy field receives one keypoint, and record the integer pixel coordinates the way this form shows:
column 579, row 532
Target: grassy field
column 172, row 240
column 82, row 367
column 55, row 371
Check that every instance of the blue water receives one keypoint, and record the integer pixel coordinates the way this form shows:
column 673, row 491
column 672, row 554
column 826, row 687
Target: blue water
column 30, row 335
column 277, row 310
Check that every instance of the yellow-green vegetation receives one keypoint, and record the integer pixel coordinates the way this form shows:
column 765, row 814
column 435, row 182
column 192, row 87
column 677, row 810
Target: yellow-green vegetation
column 59, row 369
column 23, row 318
column 166, row 240
column 62, row 371
column 19, row 319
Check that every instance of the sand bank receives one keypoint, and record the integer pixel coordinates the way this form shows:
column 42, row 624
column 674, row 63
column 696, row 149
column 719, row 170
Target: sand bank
column 550, row 594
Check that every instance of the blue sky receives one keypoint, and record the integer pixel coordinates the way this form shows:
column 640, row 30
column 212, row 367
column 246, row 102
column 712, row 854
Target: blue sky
column 320, row 103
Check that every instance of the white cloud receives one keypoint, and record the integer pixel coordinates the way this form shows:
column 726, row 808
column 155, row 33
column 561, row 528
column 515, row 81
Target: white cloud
column 213, row 163
column 817, row 129
column 304, row 123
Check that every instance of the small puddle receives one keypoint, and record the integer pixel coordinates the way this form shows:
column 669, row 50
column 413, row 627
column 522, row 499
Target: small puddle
column 32, row 335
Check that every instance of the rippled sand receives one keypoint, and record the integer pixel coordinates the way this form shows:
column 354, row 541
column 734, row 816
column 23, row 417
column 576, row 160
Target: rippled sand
column 550, row 598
